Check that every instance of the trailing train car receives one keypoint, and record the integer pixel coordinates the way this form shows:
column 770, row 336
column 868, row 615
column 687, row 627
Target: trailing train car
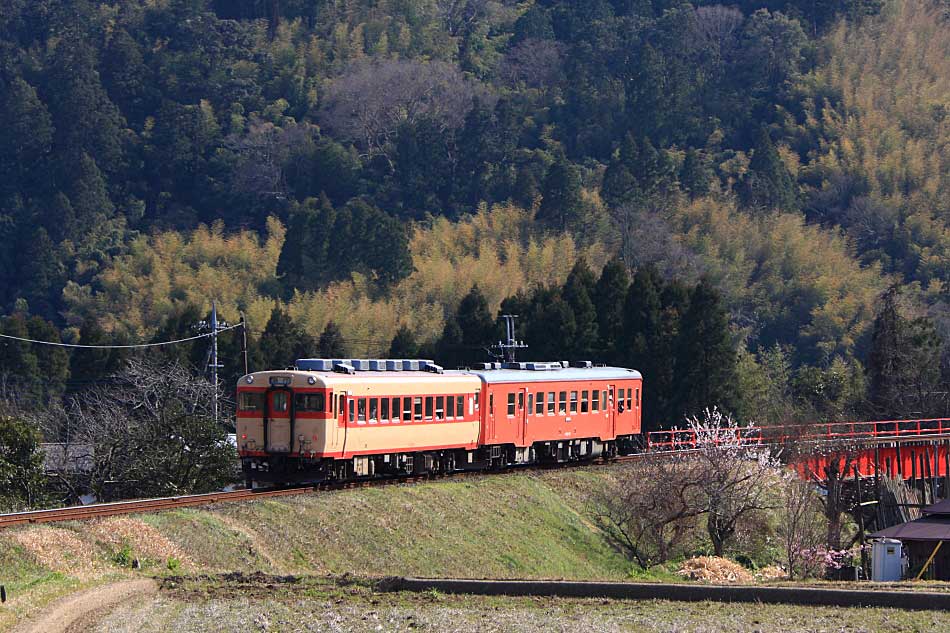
column 343, row 419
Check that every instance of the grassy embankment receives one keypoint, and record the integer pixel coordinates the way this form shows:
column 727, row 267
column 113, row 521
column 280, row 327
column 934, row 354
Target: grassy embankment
column 516, row 525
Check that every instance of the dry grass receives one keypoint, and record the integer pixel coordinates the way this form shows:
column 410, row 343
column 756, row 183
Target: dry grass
column 145, row 541
column 715, row 569
column 59, row 550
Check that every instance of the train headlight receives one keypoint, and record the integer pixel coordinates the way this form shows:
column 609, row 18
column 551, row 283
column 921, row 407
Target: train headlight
column 249, row 379
column 311, row 380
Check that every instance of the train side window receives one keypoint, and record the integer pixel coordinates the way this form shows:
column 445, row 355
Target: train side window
column 361, row 411
column 252, row 401
column 511, row 404
column 440, row 408
column 476, row 401
column 310, row 402
column 373, row 410
column 620, row 401
column 417, row 408
column 491, row 403
column 551, row 403
column 629, row 398
column 384, row 410
column 539, row 403
column 530, row 403
column 352, row 408
column 429, row 407
column 585, row 401
column 638, row 397
column 472, row 404
column 603, row 396
column 397, row 403
column 595, row 405
column 520, row 400
column 562, row 402
column 407, row 409
column 573, row 402
column 460, row 407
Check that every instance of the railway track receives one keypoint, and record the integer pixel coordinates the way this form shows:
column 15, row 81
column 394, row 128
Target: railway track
column 136, row 506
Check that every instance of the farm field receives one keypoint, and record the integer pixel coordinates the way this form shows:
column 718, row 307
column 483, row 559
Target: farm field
column 319, row 606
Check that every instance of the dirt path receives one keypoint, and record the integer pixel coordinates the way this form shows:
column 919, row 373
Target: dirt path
column 80, row 611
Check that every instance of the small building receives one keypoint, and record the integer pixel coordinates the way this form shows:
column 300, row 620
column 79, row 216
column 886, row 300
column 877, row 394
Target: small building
column 924, row 540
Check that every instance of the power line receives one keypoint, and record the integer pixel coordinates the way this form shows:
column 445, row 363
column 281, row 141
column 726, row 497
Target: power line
column 137, row 346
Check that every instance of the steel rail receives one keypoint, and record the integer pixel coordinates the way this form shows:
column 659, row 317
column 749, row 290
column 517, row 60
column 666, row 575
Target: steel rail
column 136, row 506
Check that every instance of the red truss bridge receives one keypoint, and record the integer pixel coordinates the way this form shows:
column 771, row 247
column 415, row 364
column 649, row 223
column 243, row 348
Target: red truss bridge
column 906, row 449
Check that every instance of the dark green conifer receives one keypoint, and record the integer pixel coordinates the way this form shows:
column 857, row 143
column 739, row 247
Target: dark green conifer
column 331, row 343
column 706, row 355
column 769, row 184
column 578, row 289
column 609, row 295
column 404, row 344
column 561, row 203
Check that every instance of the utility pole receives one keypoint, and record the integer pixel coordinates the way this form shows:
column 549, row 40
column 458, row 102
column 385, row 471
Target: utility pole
column 244, row 341
column 214, row 327
column 511, row 345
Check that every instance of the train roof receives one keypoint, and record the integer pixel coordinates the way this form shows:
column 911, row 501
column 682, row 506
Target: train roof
column 328, row 379
column 565, row 374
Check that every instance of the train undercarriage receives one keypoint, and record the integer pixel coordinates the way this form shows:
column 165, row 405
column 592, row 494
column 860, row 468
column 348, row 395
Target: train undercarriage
column 277, row 469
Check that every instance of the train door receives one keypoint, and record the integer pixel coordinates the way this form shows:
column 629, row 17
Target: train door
column 491, row 416
column 611, row 411
column 522, row 416
column 278, row 421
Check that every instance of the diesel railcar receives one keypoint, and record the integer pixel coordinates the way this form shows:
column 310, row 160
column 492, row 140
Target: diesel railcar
column 345, row 419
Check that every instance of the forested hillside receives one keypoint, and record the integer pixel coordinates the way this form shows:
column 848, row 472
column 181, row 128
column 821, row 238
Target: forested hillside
column 750, row 203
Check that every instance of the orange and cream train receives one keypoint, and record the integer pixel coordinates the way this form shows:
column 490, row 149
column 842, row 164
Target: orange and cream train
column 344, row 419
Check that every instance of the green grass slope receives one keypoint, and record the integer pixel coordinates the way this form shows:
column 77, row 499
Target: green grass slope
column 514, row 525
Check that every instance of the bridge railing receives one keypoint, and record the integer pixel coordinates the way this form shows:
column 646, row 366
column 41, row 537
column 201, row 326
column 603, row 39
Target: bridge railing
column 880, row 430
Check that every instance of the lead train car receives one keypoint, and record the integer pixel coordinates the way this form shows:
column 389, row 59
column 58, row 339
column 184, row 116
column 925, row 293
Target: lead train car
column 342, row 420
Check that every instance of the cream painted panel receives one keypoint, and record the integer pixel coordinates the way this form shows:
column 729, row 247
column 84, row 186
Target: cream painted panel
column 399, row 437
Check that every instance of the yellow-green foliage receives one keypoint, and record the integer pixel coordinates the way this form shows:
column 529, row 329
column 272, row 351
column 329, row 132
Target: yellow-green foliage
column 494, row 248
column 793, row 282
column 889, row 121
column 162, row 274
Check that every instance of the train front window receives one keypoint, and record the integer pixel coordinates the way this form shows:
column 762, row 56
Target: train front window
column 279, row 401
column 252, row 401
column 309, row 402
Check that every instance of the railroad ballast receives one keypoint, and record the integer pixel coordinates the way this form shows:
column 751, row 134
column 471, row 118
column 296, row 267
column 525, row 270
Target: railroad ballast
column 350, row 418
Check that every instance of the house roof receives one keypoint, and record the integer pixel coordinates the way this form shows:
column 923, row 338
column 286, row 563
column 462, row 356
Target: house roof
column 932, row 527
